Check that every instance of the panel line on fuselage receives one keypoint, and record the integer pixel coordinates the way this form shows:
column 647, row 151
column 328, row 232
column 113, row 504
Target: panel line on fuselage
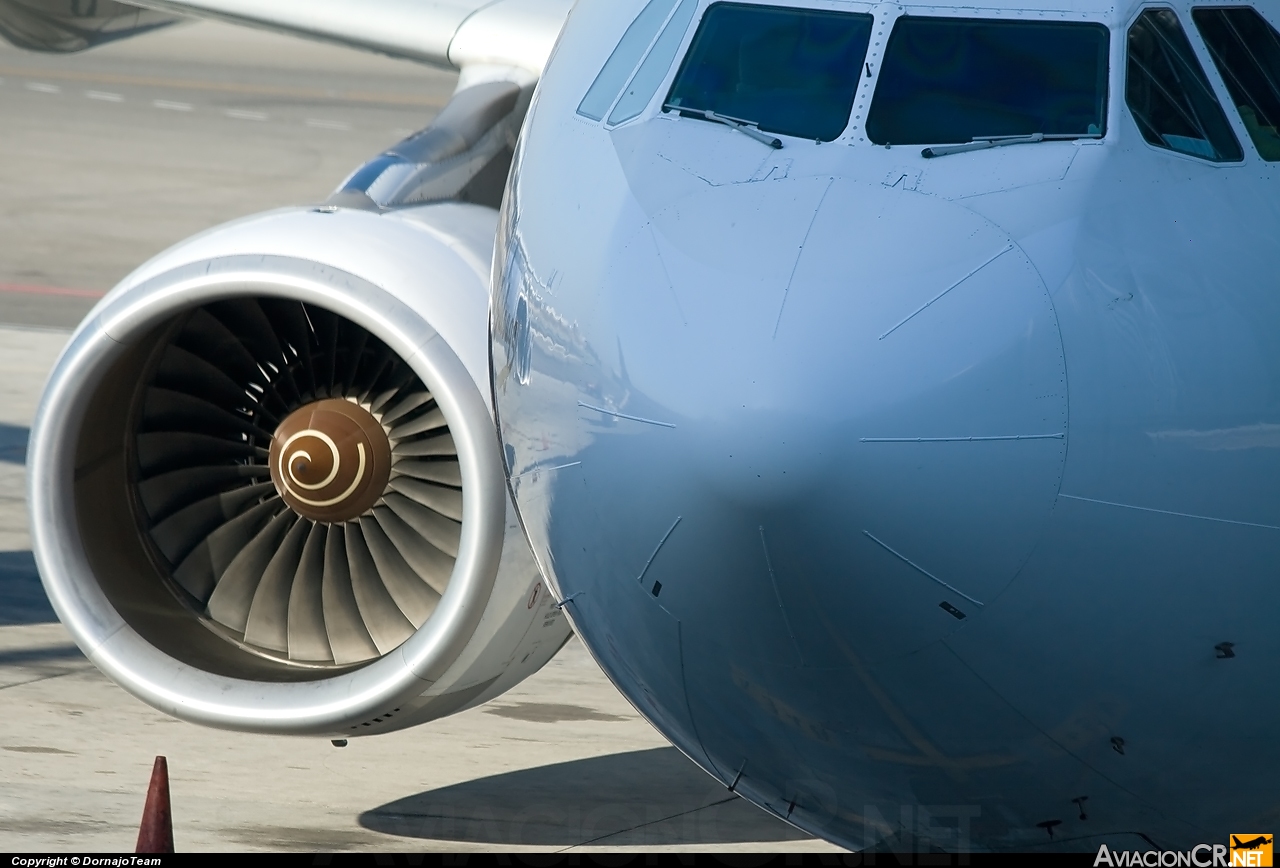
column 926, row 305
column 1057, row 436
column 773, row 580
column 906, row 560
column 661, row 543
column 545, row 469
column 625, row 415
column 1170, row 512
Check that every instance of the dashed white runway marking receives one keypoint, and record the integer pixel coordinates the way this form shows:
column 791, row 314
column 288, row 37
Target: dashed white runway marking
column 327, row 125
column 170, row 105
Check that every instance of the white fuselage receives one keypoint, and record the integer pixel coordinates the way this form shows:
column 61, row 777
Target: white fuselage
column 902, row 493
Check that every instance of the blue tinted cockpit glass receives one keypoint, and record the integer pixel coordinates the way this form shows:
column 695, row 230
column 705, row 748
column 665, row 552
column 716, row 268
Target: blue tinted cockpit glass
column 1246, row 50
column 790, row 71
column 1170, row 96
column 953, row 80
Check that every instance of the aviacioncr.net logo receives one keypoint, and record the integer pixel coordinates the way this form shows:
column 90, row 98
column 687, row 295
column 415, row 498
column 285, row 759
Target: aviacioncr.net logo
column 1248, row 851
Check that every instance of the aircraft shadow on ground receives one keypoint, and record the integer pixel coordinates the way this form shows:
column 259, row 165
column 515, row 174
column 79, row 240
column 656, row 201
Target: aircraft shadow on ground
column 634, row 799
column 22, row 597
column 13, row 443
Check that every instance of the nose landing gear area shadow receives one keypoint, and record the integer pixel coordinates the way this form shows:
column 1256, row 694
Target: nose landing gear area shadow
column 22, row 597
column 634, row 799
column 13, row 443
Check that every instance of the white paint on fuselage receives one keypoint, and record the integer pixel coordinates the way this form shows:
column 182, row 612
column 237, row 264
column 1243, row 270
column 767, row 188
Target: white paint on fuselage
column 1002, row 370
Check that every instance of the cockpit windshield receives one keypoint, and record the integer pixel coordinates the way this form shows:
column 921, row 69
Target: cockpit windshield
column 953, row 80
column 788, row 71
column 1246, row 50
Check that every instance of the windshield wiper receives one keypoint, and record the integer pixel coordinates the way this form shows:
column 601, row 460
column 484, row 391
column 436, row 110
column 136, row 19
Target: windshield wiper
column 981, row 143
column 747, row 128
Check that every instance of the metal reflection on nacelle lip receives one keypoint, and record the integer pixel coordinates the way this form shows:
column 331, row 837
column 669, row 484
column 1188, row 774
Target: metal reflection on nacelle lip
column 179, row 688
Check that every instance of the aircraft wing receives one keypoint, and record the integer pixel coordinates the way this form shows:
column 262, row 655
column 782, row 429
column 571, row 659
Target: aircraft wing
column 447, row 33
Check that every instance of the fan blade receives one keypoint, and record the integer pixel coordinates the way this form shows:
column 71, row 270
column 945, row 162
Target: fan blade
column 183, row 371
column 398, row 376
column 443, row 472
column 166, row 410
column 441, row 532
column 181, row 532
column 432, row 565
column 291, row 322
column 370, row 373
column 446, row 501
column 199, row 571
column 209, row 338
column 326, row 324
column 410, row 592
column 268, row 623
column 162, row 451
column 440, row 444
column 413, row 401
column 167, row 493
column 308, row 639
column 354, row 351
column 387, row 625
column 348, row 638
column 246, row 319
column 233, row 595
column 429, row 421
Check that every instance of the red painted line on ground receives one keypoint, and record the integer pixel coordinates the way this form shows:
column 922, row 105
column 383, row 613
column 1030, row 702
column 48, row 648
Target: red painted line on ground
column 29, row 289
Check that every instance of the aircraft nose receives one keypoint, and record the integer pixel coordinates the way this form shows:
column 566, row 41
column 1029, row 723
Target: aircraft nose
column 869, row 380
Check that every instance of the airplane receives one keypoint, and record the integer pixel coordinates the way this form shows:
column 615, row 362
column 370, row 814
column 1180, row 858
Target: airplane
column 888, row 394
column 1251, row 844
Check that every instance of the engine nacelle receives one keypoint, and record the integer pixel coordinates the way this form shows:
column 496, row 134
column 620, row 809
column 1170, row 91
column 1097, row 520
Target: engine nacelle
column 266, row 493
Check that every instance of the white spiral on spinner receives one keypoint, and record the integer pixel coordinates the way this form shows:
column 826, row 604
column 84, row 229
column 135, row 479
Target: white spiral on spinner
column 291, row 481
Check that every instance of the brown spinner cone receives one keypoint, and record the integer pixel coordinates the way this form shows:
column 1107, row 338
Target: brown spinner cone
column 330, row 460
column 155, row 835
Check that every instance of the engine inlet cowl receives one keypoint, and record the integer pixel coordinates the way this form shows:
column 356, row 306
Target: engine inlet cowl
column 266, row 492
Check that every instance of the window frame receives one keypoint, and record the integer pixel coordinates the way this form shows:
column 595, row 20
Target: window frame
column 1201, row 46
column 1110, row 113
column 1216, row 85
column 842, row 9
column 887, row 19
column 884, row 18
column 635, row 66
column 653, row 108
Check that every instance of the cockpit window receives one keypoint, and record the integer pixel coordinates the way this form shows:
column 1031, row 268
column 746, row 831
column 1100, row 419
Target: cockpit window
column 622, row 62
column 788, row 71
column 1169, row 94
column 957, row 80
column 1246, row 50
column 654, row 69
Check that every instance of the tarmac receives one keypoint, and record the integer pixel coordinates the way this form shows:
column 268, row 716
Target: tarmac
column 106, row 158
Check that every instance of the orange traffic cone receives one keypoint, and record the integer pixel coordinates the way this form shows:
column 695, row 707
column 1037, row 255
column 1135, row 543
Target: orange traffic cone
column 155, row 835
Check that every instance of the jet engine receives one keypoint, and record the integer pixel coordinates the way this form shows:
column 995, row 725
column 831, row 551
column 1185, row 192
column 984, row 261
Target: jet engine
column 265, row 487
